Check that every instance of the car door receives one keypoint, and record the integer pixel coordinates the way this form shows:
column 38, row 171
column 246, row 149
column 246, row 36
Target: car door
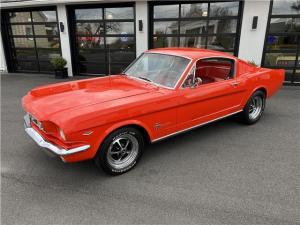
column 209, row 101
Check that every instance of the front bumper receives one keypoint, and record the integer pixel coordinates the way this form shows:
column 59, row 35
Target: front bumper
column 47, row 145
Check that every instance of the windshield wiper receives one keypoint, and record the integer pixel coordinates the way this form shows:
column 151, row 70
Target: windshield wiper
column 146, row 79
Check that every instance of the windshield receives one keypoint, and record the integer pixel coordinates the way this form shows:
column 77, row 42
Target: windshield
column 160, row 69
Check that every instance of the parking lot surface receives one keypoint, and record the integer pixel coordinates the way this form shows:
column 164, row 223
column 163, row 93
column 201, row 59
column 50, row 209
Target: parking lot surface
column 222, row 173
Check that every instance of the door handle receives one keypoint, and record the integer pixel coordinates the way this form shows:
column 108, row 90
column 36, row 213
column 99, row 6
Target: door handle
column 235, row 83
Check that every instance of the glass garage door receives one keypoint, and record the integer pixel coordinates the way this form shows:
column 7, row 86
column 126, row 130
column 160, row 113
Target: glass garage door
column 33, row 39
column 211, row 25
column 282, row 44
column 103, row 39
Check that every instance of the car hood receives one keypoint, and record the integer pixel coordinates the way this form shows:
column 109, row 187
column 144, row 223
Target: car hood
column 45, row 101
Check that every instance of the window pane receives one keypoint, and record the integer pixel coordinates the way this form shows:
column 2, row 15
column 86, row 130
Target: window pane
column 222, row 26
column 21, row 29
column 44, row 16
column 47, row 54
column 118, row 67
column 197, row 42
column 47, row 42
column 194, row 10
column 282, row 42
column 92, row 68
column 220, row 42
column 224, row 9
column 119, row 13
column 25, row 54
column 193, row 27
column 288, row 75
column 120, row 28
column 121, row 42
column 27, row 66
column 23, row 42
column 286, row 7
column 297, row 75
column 88, row 14
column 19, row 17
column 169, row 27
column 161, row 42
column 166, row 11
column 283, row 25
column 46, row 67
column 122, row 56
column 90, row 29
column 90, row 42
column 280, row 59
column 91, row 55
column 48, row 29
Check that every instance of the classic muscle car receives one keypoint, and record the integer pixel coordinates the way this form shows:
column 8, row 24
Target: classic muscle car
column 162, row 93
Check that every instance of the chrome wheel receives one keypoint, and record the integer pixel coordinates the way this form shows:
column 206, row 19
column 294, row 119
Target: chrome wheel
column 122, row 151
column 255, row 107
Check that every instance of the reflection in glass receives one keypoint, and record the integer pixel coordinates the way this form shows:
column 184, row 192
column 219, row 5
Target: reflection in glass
column 222, row 26
column 280, row 59
column 286, row 7
column 90, row 42
column 46, row 66
column 90, row 29
column 26, row 66
column 121, row 43
column 21, row 29
column 88, row 14
column 122, row 56
column 193, row 27
column 192, row 42
column 92, row 68
column 19, row 17
column 47, row 42
column 166, row 11
column 120, row 28
column 224, row 9
column 282, row 42
column 297, row 75
column 91, row 55
column 47, row 29
column 23, row 42
column 166, row 27
column 47, row 54
column 283, row 25
column 119, row 13
column 288, row 75
column 25, row 54
column 220, row 42
column 194, row 10
column 162, row 42
column 44, row 16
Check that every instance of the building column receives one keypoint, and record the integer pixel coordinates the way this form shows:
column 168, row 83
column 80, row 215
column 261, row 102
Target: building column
column 3, row 66
column 64, row 37
column 141, row 13
column 252, row 40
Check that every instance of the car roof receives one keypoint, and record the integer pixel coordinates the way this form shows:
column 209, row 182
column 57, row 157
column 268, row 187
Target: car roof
column 192, row 53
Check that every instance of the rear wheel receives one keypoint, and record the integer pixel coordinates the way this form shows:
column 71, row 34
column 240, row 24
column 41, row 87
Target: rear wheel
column 254, row 108
column 120, row 151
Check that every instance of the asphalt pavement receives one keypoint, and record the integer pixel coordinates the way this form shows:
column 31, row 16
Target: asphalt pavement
column 222, row 173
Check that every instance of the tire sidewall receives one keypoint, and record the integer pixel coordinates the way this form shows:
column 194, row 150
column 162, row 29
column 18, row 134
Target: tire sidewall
column 246, row 108
column 101, row 157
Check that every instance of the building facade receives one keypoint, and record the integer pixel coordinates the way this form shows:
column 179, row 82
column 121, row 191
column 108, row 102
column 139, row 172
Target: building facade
column 104, row 37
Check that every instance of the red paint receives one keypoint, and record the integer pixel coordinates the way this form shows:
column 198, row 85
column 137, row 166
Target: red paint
column 105, row 104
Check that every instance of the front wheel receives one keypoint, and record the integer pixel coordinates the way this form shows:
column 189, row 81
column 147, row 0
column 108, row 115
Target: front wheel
column 120, row 151
column 254, row 108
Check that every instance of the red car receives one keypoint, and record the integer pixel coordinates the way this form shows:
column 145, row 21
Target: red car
column 162, row 93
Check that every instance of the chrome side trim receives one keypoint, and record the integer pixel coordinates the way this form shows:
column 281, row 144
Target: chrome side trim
column 52, row 148
column 193, row 127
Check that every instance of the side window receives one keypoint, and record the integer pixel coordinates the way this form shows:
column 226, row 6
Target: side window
column 214, row 70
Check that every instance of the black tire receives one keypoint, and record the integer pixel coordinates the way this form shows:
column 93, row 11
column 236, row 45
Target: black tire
column 112, row 150
column 256, row 102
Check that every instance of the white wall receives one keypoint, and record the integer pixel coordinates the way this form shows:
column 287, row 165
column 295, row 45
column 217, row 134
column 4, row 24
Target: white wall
column 252, row 41
column 141, row 9
column 3, row 67
column 64, row 37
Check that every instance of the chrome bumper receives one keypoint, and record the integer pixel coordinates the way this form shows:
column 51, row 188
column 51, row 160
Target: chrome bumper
column 45, row 144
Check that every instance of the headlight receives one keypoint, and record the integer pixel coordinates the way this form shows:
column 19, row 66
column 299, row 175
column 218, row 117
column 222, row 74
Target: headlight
column 62, row 134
